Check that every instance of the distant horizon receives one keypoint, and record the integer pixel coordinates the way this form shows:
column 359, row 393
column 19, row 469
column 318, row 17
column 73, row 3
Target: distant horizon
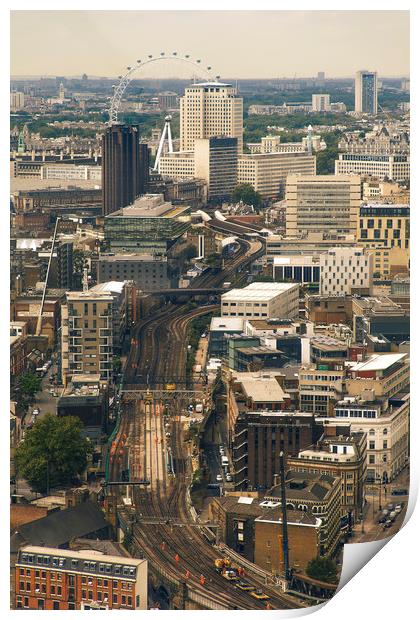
column 277, row 77
column 268, row 44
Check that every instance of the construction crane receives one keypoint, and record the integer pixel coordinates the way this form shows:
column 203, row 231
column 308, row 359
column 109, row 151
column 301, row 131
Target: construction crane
column 44, row 292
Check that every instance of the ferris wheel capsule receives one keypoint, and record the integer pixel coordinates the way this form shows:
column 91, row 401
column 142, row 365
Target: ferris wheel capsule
column 187, row 55
column 139, row 61
column 198, row 60
column 162, row 53
column 175, row 53
column 128, row 68
column 150, row 56
column 208, row 68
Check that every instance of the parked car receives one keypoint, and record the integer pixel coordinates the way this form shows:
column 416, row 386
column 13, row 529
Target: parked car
column 383, row 519
column 228, row 478
column 387, row 524
column 219, row 478
column 399, row 492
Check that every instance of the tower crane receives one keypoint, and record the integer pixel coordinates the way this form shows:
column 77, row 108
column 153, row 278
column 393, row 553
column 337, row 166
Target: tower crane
column 44, row 292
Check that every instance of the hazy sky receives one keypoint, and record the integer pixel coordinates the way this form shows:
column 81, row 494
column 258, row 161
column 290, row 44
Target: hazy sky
column 236, row 43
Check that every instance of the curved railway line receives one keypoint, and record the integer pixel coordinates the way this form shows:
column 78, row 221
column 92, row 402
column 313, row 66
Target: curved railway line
column 174, row 544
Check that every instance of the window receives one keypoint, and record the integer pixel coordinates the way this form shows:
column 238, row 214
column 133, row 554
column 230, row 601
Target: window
column 371, row 459
column 56, row 605
column 371, row 445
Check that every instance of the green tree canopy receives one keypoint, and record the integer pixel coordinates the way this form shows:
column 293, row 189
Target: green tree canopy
column 248, row 195
column 28, row 385
column 53, row 452
column 322, row 569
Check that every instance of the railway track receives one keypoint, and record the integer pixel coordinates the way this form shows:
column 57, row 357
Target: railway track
column 159, row 350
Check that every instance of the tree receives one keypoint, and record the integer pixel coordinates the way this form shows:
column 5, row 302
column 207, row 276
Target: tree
column 248, row 195
column 53, row 452
column 322, row 569
column 29, row 384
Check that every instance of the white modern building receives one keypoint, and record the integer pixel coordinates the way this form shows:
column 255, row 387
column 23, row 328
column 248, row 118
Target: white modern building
column 210, row 109
column 391, row 167
column 366, row 92
column 344, row 271
column 321, row 103
column 262, row 300
column 71, row 172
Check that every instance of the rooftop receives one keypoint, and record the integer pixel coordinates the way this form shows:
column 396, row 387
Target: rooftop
column 132, row 258
column 259, row 291
column 149, row 205
column 378, row 362
column 58, row 528
column 305, row 485
column 88, row 554
column 219, row 323
column 262, row 389
column 108, row 287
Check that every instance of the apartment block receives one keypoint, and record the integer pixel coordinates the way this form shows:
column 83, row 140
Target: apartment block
column 322, row 203
column 63, row 579
column 321, row 103
column 87, row 334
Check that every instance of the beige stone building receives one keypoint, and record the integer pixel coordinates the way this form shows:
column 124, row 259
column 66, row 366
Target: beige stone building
column 267, row 172
column 322, row 203
column 210, row 109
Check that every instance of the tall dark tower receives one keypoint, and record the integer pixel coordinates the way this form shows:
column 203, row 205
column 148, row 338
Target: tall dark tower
column 125, row 167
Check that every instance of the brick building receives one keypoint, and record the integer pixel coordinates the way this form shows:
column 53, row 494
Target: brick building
column 51, row 578
column 303, row 531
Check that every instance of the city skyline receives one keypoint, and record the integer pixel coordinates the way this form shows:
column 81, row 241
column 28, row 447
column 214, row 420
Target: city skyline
column 268, row 57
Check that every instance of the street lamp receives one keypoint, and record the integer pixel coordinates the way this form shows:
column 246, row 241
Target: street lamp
column 379, row 480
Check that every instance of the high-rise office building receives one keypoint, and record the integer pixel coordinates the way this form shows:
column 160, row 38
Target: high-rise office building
column 210, row 109
column 366, row 92
column 125, row 167
column 216, row 161
column 322, row 203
